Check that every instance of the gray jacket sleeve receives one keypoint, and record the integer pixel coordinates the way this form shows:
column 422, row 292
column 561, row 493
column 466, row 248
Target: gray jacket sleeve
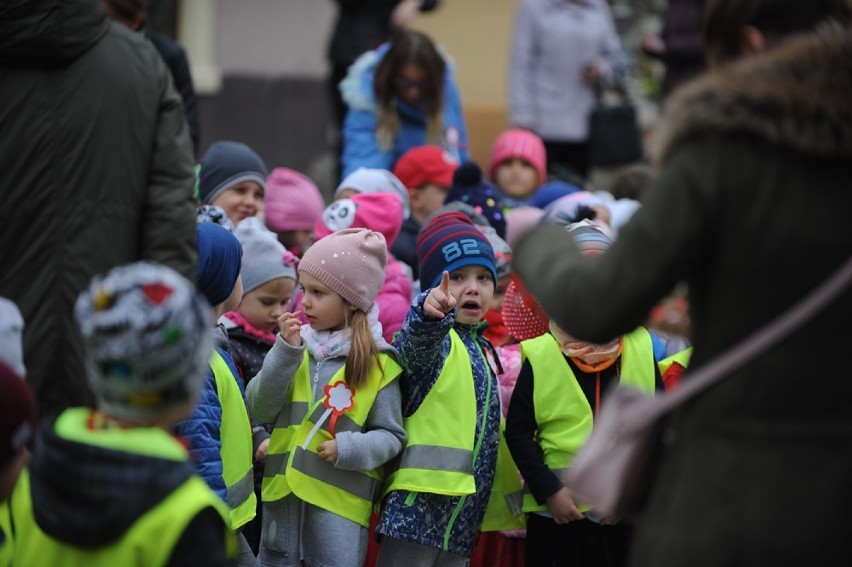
column 168, row 226
column 522, row 111
column 383, row 438
column 265, row 392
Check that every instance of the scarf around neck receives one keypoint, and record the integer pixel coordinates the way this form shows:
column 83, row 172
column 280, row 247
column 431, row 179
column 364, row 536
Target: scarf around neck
column 249, row 329
column 588, row 357
column 330, row 344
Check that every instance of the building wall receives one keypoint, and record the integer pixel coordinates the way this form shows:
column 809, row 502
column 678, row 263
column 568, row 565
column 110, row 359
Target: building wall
column 273, row 96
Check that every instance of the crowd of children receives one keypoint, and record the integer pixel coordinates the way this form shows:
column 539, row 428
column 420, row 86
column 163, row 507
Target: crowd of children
column 345, row 395
column 366, row 381
column 355, row 383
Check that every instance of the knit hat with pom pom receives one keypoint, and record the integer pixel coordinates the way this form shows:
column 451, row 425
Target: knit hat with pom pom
column 470, row 188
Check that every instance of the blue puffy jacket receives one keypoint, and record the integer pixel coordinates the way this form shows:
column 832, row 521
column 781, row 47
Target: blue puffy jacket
column 202, row 429
column 360, row 145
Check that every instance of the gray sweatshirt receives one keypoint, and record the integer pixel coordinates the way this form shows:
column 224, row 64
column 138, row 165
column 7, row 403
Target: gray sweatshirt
column 553, row 41
column 293, row 529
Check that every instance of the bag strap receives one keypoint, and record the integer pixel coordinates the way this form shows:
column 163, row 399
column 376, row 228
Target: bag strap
column 757, row 343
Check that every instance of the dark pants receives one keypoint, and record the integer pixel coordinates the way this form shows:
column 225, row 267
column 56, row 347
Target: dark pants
column 573, row 156
column 582, row 542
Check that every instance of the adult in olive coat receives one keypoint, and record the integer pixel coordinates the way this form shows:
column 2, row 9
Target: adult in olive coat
column 750, row 208
column 96, row 170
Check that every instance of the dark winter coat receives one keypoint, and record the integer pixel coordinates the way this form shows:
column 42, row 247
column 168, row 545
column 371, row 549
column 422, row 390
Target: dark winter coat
column 175, row 58
column 97, row 171
column 749, row 208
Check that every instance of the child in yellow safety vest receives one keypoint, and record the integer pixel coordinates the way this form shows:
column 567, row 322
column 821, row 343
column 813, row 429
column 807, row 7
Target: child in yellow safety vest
column 112, row 486
column 330, row 388
column 551, row 414
column 447, row 476
column 218, row 429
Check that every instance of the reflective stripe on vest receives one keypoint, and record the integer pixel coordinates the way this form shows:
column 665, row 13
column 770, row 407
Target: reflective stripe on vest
column 236, row 444
column 565, row 426
column 349, row 494
column 438, row 457
column 151, row 539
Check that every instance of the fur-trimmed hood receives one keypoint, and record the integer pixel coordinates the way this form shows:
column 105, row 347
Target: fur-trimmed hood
column 798, row 95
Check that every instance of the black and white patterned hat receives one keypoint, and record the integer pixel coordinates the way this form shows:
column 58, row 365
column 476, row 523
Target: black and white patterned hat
column 148, row 339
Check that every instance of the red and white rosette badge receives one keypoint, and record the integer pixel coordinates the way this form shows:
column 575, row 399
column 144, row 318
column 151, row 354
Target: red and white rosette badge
column 338, row 399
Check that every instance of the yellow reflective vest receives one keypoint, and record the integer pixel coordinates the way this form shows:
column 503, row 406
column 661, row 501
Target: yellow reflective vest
column 562, row 411
column 292, row 464
column 6, row 541
column 150, row 540
column 439, row 455
column 236, row 444
column 681, row 358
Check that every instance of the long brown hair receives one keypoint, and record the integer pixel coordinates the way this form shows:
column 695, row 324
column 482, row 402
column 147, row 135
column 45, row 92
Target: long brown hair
column 409, row 48
column 776, row 19
column 363, row 351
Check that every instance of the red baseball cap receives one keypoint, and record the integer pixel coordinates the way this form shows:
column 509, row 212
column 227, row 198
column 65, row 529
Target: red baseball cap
column 426, row 164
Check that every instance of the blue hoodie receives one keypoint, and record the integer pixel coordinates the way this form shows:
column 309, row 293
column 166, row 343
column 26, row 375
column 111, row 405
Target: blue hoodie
column 360, row 145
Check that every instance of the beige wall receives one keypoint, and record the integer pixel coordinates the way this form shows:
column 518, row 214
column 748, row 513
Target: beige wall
column 477, row 34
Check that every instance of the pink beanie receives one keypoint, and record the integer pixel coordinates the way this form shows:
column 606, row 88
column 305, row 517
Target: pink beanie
column 292, row 201
column 523, row 144
column 381, row 212
column 351, row 262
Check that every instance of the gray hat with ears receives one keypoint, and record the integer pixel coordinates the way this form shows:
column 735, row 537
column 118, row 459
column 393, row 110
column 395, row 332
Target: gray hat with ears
column 264, row 258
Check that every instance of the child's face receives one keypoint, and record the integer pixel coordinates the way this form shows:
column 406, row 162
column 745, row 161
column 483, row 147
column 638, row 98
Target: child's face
column 324, row 308
column 263, row 305
column 427, row 199
column 516, row 178
column 500, row 293
column 241, row 201
column 473, row 288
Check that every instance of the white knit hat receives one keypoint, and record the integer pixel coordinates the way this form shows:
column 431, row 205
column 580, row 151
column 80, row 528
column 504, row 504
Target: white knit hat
column 147, row 335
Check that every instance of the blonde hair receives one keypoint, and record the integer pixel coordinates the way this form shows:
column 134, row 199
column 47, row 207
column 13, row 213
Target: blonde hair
column 363, row 351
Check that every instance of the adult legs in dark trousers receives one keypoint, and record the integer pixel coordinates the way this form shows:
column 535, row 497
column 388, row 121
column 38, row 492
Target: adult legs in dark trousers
column 582, row 542
column 567, row 155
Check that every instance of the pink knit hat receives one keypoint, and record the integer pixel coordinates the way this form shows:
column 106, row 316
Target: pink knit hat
column 351, row 262
column 381, row 212
column 523, row 144
column 292, row 201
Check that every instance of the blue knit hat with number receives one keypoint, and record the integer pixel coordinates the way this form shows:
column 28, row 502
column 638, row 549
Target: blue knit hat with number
column 449, row 242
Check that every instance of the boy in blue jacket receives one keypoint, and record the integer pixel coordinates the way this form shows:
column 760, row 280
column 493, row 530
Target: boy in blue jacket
column 219, row 430
column 451, row 408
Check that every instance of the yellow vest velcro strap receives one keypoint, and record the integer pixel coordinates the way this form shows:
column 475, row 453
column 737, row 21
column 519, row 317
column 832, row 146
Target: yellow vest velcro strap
column 238, row 492
column 361, row 485
column 343, row 422
column 292, row 414
column 433, row 457
column 275, row 464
